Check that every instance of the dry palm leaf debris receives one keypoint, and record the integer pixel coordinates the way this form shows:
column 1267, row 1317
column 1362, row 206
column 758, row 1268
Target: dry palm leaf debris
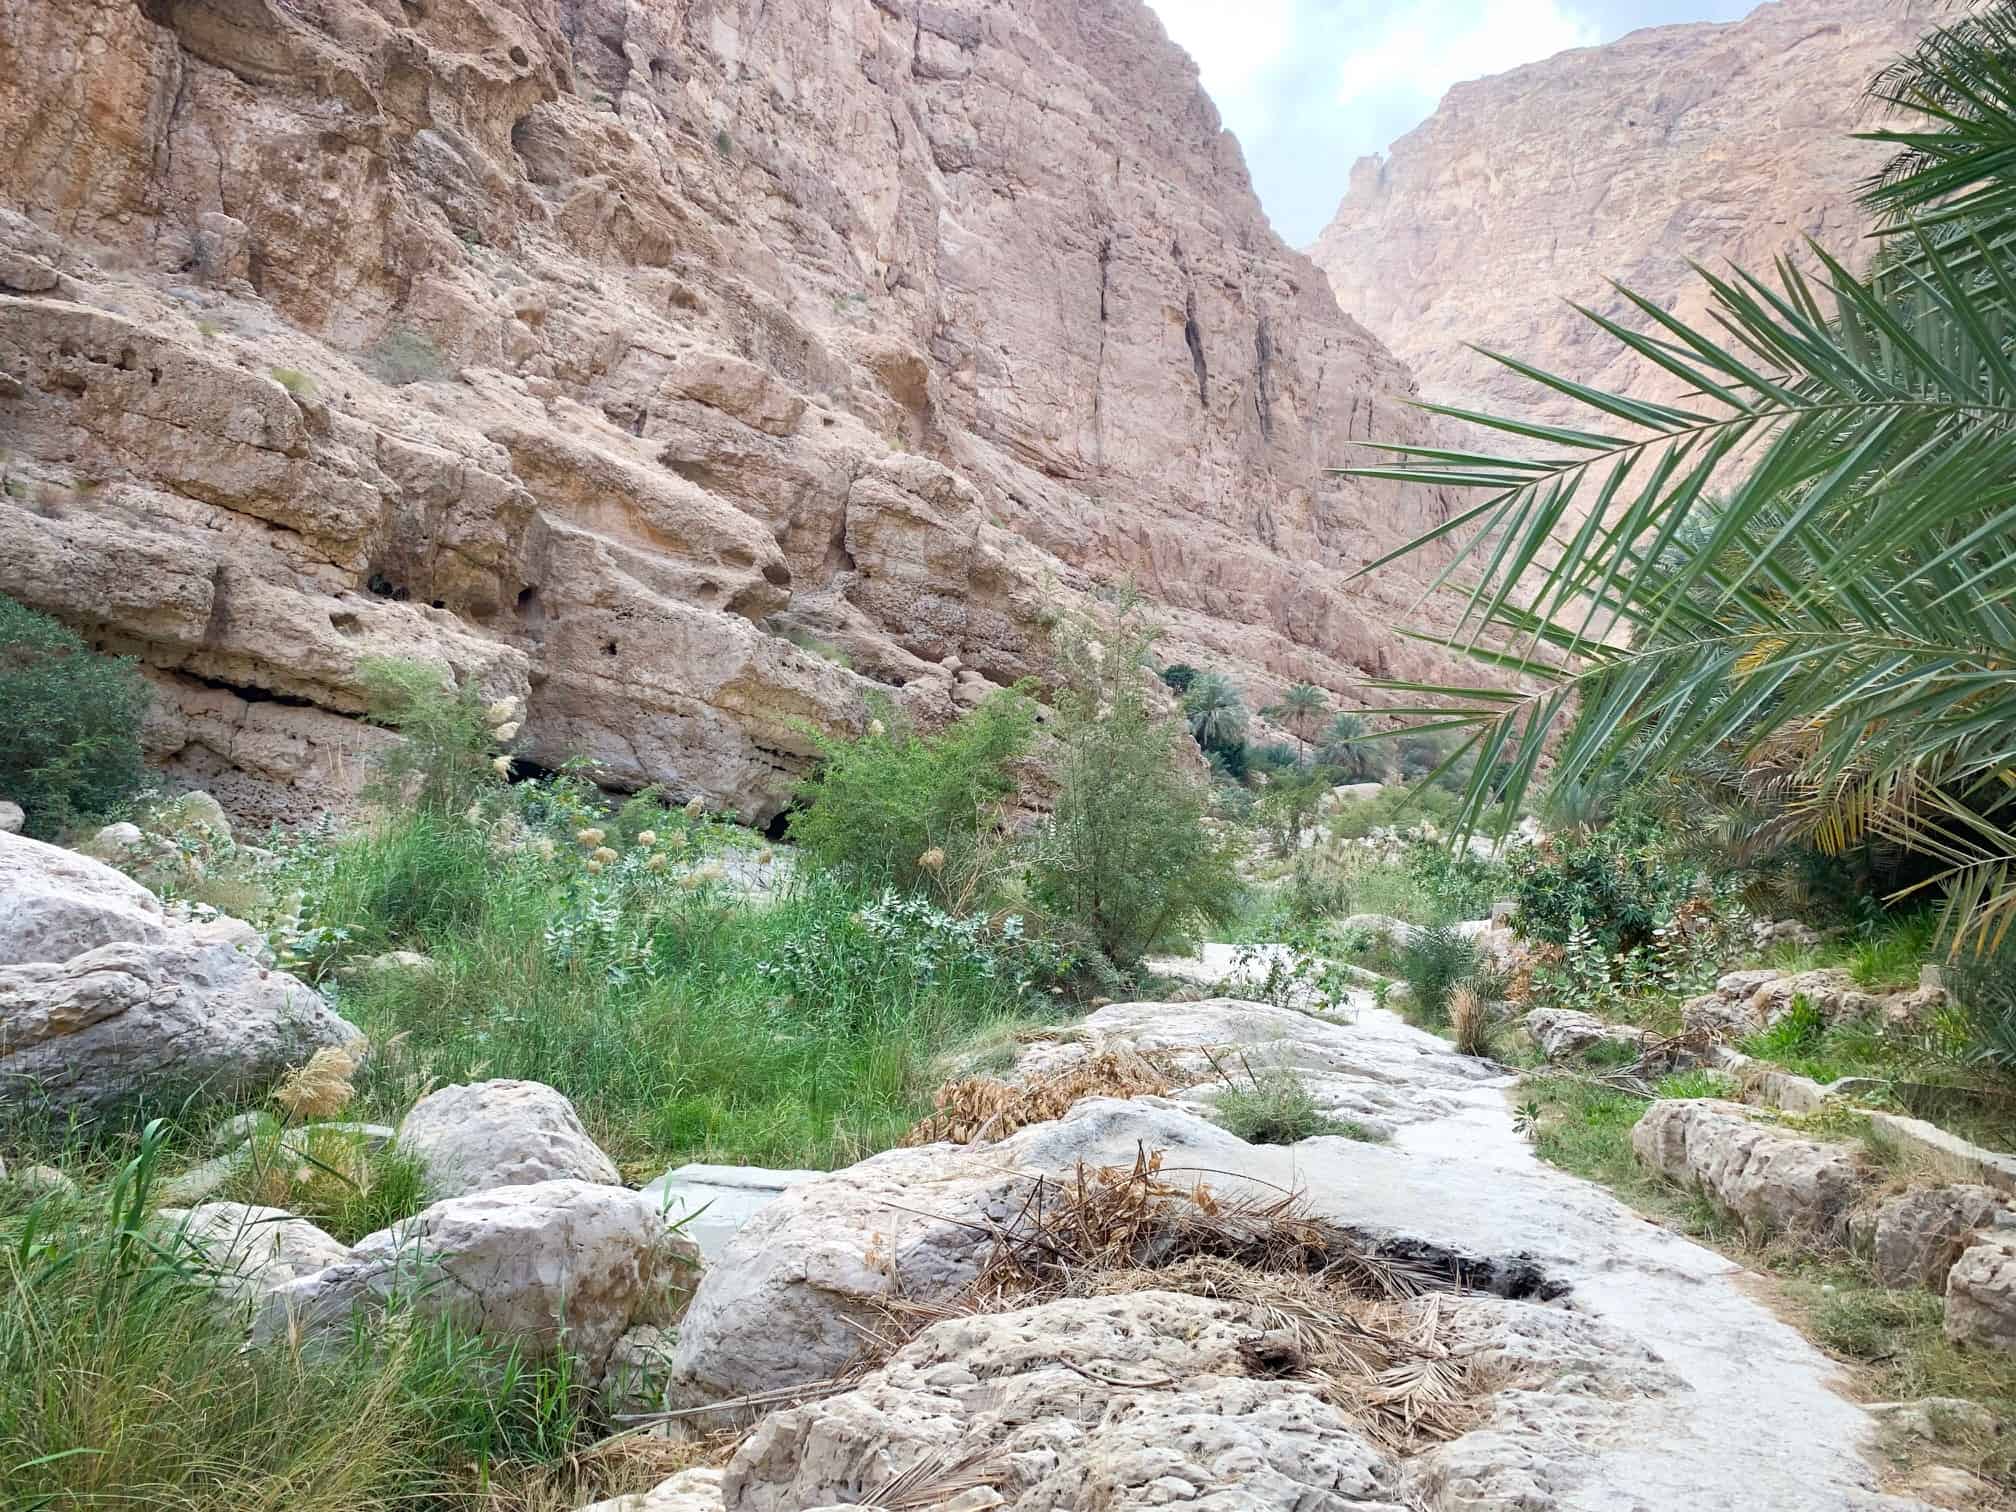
column 1368, row 1332
column 981, row 1109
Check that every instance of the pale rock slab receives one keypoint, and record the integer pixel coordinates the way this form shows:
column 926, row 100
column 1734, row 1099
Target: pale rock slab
column 711, row 1203
column 1564, row 1032
column 1770, row 1180
column 557, row 1263
column 478, row 1137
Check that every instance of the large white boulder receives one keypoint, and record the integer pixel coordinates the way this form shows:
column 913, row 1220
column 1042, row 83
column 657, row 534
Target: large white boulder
column 570, row 1264
column 103, row 999
column 789, row 1298
column 247, row 1252
column 1043, row 1397
column 483, row 1135
column 1772, row 1181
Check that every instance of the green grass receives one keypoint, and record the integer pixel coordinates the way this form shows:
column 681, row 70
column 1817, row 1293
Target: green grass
column 120, row 1386
column 1278, row 1110
column 685, row 1023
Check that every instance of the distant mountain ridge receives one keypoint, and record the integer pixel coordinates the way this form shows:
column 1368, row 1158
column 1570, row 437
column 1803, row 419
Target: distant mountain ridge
column 1712, row 142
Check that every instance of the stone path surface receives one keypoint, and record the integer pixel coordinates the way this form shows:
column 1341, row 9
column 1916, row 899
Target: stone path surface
column 1760, row 1424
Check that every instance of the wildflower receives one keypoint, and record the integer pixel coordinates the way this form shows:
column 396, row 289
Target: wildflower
column 675, row 841
column 765, row 856
column 877, row 729
column 604, row 854
column 933, row 860
column 501, row 765
column 695, row 808
column 507, row 731
column 500, row 712
column 588, row 839
column 544, row 848
column 591, row 866
column 712, row 872
column 657, row 862
column 647, row 838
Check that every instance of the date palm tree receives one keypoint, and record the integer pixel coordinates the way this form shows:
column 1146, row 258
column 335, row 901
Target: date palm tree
column 1806, row 565
column 1300, row 707
column 1216, row 710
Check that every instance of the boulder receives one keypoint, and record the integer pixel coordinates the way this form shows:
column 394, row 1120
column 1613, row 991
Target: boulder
column 246, row 1253
column 1831, row 991
column 1393, row 932
column 1981, row 1295
column 114, row 842
column 1914, row 1238
column 103, row 999
column 555, row 1264
column 11, row 818
column 1772, row 1181
column 1012, row 1389
column 1563, row 1032
column 710, row 1203
column 475, row 1137
column 788, row 1299
column 1936, row 1420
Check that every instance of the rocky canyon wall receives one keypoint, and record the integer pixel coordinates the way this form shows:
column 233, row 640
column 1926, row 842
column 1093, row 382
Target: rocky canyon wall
column 695, row 368
column 1534, row 188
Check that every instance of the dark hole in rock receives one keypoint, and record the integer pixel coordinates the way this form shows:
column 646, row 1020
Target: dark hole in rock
column 609, row 648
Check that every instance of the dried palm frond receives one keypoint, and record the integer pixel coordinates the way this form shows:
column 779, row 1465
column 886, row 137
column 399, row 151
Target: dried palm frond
column 980, row 1109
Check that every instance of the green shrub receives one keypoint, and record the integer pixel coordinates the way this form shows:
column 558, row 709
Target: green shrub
column 1437, row 961
column 1460, row 885
column 1983, row 983
column 1289, row 806
column 1621, row 883
column 919, row 813
column 69, row 723
column 1125, row 856
column 445, row 760
column 403, row 355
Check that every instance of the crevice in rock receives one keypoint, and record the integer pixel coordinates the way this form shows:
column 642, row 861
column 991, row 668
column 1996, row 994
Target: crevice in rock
column 1263, row 377
column 1193, row 337
column 248, row 693
column 1518, row 1278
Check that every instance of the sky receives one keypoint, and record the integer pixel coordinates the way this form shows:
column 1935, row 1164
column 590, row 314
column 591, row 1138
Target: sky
column 1311, row 86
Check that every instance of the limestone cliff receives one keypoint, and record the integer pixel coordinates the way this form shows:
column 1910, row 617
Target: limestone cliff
column 697, row 367
column 1716, row 143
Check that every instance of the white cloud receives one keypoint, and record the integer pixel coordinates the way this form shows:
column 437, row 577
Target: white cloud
column 1235, row 45
column 1422, row 49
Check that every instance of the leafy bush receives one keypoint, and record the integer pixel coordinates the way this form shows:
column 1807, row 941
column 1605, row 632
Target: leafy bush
column 1461, row 885
column 1435, row 963
column 1125, row 856
column 447, row 757
column 918, row 813
column 1288, row 807
column 70, row 731
column 1622, row 883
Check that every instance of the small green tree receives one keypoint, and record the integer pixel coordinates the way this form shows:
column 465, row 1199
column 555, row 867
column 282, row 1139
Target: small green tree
column 919, row 813
column 69, row 723
column 1347, row 746
column 447, row 758
column 1126, row 855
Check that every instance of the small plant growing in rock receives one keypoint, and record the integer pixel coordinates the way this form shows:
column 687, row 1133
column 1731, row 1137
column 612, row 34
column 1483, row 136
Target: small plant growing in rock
column 403, row 355
column 296, row 382
column 1277, row 1109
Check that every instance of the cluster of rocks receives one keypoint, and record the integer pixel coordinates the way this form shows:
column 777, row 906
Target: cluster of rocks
column 1744, row 1002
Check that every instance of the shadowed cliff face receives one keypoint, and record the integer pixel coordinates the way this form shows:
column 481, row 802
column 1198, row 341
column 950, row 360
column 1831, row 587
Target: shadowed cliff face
column 1523, row 192
column 696, row 367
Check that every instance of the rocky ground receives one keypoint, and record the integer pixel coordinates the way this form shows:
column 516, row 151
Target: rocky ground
column 1100, row 1300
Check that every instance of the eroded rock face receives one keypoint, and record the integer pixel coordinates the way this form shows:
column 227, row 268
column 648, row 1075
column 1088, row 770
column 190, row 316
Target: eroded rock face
column 1981, row 1295
column 693, row 370
column 1771, row 1180
column 500, row 1134
column 104, row 1000
column 1538, row 186
column 1915, row 1237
